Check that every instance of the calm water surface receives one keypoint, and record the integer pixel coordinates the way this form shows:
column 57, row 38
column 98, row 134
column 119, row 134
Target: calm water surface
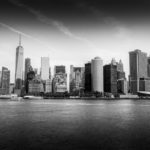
column 75, row 125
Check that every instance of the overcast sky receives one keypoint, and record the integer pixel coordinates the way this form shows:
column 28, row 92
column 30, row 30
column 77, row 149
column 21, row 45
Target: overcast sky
column 73, row 31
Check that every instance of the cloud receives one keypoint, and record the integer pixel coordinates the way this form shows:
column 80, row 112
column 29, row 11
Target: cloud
column 59, row 25
column 26, row 35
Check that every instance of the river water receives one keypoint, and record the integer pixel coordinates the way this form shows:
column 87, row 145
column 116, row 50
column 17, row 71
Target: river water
column 75, row 125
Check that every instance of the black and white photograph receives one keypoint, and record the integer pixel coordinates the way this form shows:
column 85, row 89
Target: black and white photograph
column 74, row 74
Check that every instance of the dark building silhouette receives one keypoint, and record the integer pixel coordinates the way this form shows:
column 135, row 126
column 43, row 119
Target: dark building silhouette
column 30, row 77
column 59, row 69
column 120, row 75
column 148, row 66
column 28, row 68
column 88, row 79
column 110, row 78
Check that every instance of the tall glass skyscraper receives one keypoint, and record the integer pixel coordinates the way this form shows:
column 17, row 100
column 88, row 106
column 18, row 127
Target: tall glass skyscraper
column 19, row 66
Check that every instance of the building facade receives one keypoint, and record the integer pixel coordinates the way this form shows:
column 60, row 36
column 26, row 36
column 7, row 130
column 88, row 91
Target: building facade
column 110, row 78
column 76, row 78
column 19, row 67
column 97, row 74
column 88, row 78
column 5, row 81
column 45, row 68
column 138, row 68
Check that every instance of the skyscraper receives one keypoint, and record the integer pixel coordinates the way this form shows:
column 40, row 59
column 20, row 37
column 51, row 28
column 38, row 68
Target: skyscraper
column 27, row 67
column 60, row 80
column 138, row 68
column 45, row 74
column 5, row 81
column 19, row 66
column 76, row 78
column 97, row 74
column 110, row 78
column 88, row 82
column 148, row 66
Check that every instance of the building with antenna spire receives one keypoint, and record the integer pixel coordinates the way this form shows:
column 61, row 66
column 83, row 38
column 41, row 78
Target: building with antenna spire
column 19, row 67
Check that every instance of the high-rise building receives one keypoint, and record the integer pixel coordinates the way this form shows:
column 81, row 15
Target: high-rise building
column 148, row 66
column 76, row 78
column 27, row 67
column 88, row 79
column 45, row 68
column 97, row 74
column 110, row 78
column 19, row 66
column 60, row 80
column 5, row 81
column 138, row 68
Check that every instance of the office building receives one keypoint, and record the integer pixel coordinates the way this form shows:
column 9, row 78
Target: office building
column 88, row 79
column 5, row 81
column 122, row 86
column 76, row 78
column 148, row 66
column 48, row 86
column 110, row 78
column 60, row 80
column 144, row 84
column 27, row 67
column 97, row 74
column 45, row 68
column 19, row 66
column 138, row 68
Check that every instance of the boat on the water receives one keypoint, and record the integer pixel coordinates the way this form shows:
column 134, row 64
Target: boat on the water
column 30, row 97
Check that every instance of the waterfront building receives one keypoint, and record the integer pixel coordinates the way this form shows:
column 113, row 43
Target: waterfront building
column 138, row 68
column 122, row 87
column 11, row 88
column 5, row 81
column 110, row 78
column 48, row 86
column 19, row 66
column 45, row 68
column 60, row 80
column 88, row 79
column 144, row 84
column 35, row 87
column 76, row 78
column 97, row 74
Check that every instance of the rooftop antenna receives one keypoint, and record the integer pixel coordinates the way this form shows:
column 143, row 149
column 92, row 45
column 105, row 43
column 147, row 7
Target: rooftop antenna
column 19, row 39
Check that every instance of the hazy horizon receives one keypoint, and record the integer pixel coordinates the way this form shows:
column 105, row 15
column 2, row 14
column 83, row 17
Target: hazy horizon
column 72, row 32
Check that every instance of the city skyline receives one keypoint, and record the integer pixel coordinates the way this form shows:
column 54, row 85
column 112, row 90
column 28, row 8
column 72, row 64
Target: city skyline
column 73, row 32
